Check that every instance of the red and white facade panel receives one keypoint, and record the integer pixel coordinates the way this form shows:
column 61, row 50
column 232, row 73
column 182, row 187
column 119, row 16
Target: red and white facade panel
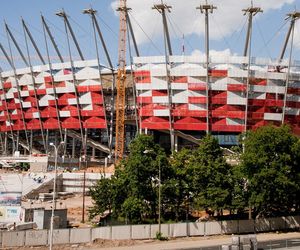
column 182, row 102
column 40, row 99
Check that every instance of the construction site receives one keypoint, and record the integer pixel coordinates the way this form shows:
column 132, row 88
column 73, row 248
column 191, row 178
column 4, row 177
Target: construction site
column 79, row 116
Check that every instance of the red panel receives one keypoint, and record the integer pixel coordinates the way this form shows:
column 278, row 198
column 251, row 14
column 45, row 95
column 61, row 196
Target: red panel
column 228, row 128
column 142, row 73
column 51, row 123
column 33, row 124
column 96, row 98
column 218, row 73
column 48, row 112
column 236, row 87
column 71, row 123
column 94, row 122
column 190, row 126
column 277, row 103
column 197, row 99
column 180, row 79
column 7, row 85
column 145, row 112
column 155, row 125
column 144, row 99
column 41, row 91
column 197, row 86
column 48, row 79
column 295, row 91
column 159, row 93
column 217, row 100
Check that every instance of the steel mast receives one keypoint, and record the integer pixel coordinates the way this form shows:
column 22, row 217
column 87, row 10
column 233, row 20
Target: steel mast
column 206, row 9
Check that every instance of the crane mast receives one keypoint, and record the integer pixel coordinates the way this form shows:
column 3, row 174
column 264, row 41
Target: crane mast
column 121, row 78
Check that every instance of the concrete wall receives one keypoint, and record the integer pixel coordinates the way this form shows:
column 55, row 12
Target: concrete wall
column 13, row 239
column 86, row 235
column 36, row 238
column 80, row 235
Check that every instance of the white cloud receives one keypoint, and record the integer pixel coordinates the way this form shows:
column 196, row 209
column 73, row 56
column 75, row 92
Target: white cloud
column 228, row 17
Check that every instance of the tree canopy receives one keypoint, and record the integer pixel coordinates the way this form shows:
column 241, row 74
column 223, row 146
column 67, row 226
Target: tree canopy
column 267, row 180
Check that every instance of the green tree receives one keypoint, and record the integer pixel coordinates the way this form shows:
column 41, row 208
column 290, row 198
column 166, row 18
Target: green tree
column 134, row 185
column 271, row 164
column 102, row 196
column 177, row 189
column 211, row 176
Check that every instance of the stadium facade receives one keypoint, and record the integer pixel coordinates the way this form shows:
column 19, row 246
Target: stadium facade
column 179, row 99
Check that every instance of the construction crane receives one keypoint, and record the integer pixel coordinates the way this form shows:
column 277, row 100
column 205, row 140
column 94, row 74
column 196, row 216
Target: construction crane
column 121, row 78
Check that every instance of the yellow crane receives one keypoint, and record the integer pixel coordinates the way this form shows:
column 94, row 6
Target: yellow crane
column 121, row 85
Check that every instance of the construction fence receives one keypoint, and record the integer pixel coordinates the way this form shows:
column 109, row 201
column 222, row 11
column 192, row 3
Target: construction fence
column 139, row 232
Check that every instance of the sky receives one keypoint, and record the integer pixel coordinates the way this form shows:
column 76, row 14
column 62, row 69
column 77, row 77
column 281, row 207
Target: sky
column 186, row 24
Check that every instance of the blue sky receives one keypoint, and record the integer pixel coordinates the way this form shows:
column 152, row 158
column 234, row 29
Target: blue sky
column 227, row 26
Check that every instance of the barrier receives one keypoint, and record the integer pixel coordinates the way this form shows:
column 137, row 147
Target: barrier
column 277, row 223
column 213, row 228
column 61, row 236
column 178, row 230
column 246, row 226
column 80, row 235
column 155, row 228
column 230, row 227
column 140, row 232
column 121, row 232
column 196, row 229
column 36, row 238
column 13, row 239
column 87, row 235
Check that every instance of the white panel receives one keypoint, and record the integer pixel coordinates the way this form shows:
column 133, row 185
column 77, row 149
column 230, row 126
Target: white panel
column 193, row 93
column 61, row 90
column 143, row 86
column 86, row 98
column 61, row 78
column 49, row 91
column 161, row 112
column 292, row 111
column 234, row 99
column 64, row 113
column 87, row 107
column 87, row 73
column 275, row 89
column 24, row 93
column 195, row 80
column 36, row 115
column 276, row 75
column 258, row 88
column 179, row 86
column 73, row 101
column 231, row 121
column 272, row 116
column 181, row 97
column 26, row 104
column 159, row 71
column 25, row 80
column 89, row 82
column 160, row 99
column 146, row 93
column 294, row 98
column 9, row 95
column 237, row 73
column 193, row 106
column 159, row 83
column 220, row 85
column 43, row 103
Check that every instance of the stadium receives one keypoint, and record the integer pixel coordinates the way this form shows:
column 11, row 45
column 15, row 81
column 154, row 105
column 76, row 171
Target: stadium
column 177, row 98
